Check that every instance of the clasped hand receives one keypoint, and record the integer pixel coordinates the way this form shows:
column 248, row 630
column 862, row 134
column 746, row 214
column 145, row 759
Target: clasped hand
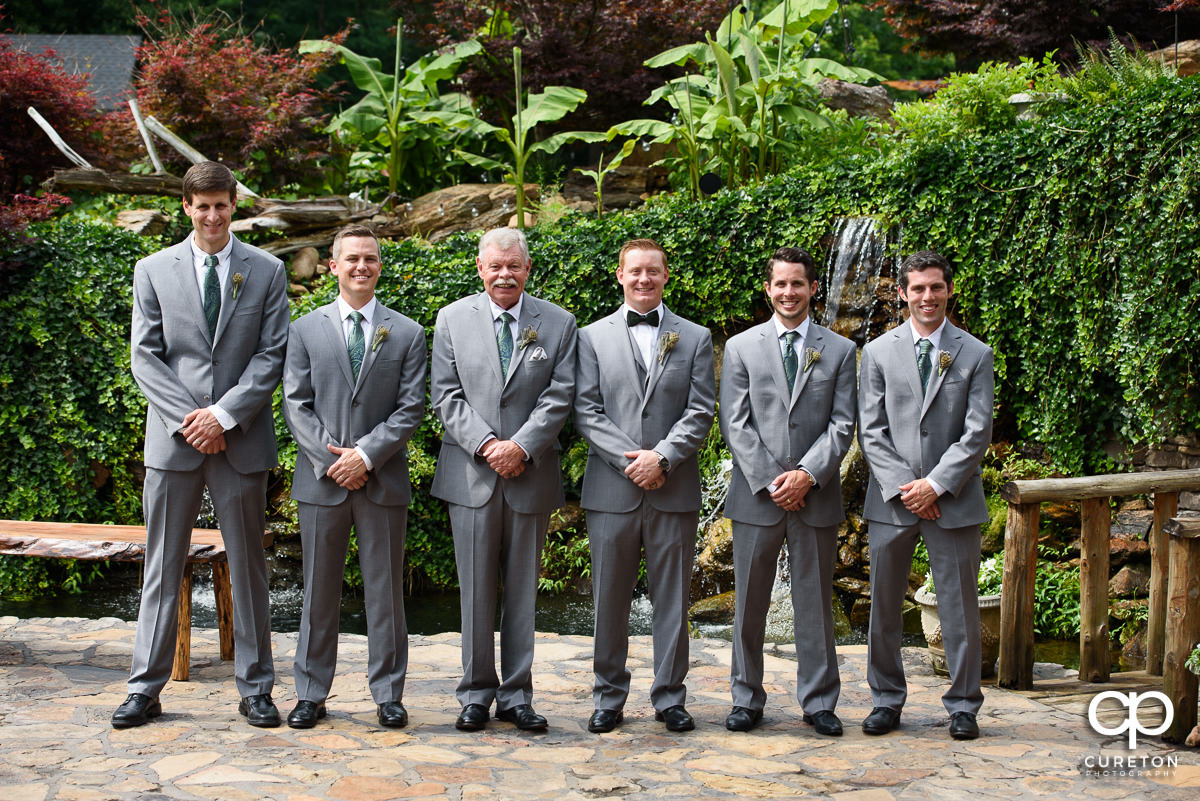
column 791, row 489
column 349, row 470
column 203, row 432
column 920, row 499
column 504, row 456
column 644, row 470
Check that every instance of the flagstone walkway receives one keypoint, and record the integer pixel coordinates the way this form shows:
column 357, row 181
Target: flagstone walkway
column 61, row 678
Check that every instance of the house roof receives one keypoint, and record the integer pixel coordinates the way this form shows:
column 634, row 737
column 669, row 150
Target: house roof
column 108, row 60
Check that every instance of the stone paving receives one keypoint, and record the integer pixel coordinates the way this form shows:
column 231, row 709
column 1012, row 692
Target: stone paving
column 61, row 678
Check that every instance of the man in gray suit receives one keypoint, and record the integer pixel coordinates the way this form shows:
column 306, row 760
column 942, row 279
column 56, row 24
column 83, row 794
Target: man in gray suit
column 353, row 393
column 925, row 404
column 787, row 413
column 210, row 320
column 644, row 398
column 501, row 380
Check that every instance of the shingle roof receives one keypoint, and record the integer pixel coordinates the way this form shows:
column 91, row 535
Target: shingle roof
column 108, row 60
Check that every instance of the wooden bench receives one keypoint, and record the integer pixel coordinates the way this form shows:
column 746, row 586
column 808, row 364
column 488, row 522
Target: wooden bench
column 128, row 544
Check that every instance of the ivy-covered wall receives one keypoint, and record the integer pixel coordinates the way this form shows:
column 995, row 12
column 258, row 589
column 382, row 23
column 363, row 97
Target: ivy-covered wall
column 1075, row 238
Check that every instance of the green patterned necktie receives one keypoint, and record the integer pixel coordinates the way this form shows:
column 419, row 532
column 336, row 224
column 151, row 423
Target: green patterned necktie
column 355, row 344
column 504, row 341
column 791, row 363
column 924, row 363
column 212, row 294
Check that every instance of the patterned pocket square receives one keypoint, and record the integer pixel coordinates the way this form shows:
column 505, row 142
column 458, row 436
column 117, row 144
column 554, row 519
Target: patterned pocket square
column 537, row 354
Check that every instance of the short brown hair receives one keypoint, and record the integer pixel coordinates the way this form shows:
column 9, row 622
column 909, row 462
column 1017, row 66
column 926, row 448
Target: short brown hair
column 209, row 176
column 641, row 244
column 354, row 229
column 791, row 256
column 923, row 260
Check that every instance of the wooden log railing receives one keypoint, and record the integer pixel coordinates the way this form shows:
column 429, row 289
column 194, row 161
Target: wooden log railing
column 1183, row 625
column 1020, row 568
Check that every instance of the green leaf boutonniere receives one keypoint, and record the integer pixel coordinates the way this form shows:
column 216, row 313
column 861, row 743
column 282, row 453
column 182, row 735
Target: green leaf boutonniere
column 238, row 278
column 811, row 357
column 666, row 343
column 381, row 334
column 528, row 337
column 944, row 360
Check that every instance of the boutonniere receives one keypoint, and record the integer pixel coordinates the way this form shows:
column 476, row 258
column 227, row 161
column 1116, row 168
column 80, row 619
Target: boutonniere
column 238, row 278
column 944, row 360
column 811, row 357
column 666, row 343
column 381, row 334
column 528, row 337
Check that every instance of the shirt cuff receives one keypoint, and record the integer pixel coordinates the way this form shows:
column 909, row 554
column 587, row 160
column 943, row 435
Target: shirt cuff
column 223, row 417
column 936, row 487
column 810, row 476
column 486, row 440
column 362, row 455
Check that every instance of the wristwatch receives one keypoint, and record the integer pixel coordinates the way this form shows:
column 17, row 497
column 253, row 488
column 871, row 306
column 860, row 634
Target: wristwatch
column 663, row 464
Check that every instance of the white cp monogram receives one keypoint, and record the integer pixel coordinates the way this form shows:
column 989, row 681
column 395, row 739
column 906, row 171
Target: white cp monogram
column 1130, row 701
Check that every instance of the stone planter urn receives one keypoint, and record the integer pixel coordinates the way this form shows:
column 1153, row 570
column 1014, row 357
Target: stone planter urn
column 989, row 626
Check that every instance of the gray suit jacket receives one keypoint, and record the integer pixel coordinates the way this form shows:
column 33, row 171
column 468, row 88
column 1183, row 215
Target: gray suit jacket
column 180, row 368
column 942, row 436
column 672, row 413
column 528, row 406
column 769, row 431
column 324, row 405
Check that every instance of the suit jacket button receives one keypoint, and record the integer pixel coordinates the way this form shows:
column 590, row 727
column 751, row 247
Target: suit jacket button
column 208, row 398
column 646, row 413
column 791, row 425
column 924, row 432
column 503, row 404
column 355, row 403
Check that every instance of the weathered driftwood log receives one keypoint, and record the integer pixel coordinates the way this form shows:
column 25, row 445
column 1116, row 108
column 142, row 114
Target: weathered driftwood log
column 1068, row 489
column 121, row 183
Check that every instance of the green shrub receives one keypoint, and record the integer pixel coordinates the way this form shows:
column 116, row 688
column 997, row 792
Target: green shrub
column 71, row 418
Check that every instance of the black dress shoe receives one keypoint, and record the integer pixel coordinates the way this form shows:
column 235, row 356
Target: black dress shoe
column 963, row 726
column 523, row 716
column 825, row 722
column 472, row 718
column 135, row 711
column 306, row 714
column 676, row 718
column 603, row 720
column 743, row 719
column 881, row 720
column 260, row 711
column 393, row 715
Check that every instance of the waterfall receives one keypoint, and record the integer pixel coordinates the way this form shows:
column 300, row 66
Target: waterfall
column 852, row 278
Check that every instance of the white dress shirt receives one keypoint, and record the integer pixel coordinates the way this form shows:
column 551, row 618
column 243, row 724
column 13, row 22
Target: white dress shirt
column 201, row 269
column 367, row 324
column 935, row 339
column 515, row 312
column 798, row 346
column 644, row 334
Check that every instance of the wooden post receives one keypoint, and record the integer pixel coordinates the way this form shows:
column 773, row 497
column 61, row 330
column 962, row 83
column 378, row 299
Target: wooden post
column 1094, row 647
column 1165, row 505
column 1016, row 597
column 183, row 639
column 1183, row 625
column 141, row 126
column 224, row 597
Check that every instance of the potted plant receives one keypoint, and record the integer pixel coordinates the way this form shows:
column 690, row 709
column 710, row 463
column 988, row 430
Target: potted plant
column 991, row 578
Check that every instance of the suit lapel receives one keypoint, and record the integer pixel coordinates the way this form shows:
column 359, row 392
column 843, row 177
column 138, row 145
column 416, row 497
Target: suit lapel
column 905, row 355
column 485, row 326
column 773, row 358
column 659, row 357
column 619, row 337
column 951, row 343
column 531, row 318
column 335, row 338
column 239, row 265
column 816, row 341
column 184, row 271
column 382, row 320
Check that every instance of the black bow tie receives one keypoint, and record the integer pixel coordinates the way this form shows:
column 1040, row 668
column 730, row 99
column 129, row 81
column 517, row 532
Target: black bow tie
column 632, row 318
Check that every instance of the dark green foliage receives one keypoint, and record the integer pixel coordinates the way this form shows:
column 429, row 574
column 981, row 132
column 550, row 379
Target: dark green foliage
column 71, row 418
